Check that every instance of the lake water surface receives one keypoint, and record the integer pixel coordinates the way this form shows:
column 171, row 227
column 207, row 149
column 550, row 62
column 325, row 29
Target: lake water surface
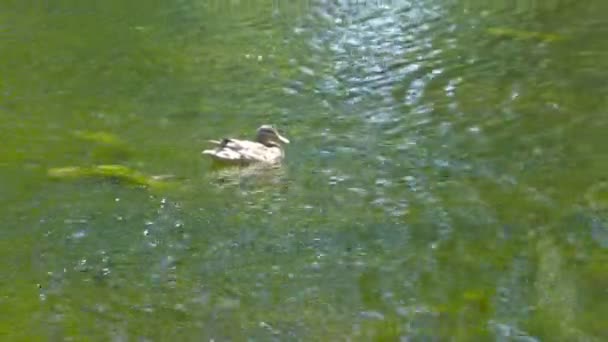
column 447, row 177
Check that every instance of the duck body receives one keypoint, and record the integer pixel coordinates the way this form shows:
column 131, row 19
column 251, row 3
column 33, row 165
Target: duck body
column 266, row 150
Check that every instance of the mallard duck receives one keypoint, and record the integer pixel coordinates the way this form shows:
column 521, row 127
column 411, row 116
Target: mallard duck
column 266, row 149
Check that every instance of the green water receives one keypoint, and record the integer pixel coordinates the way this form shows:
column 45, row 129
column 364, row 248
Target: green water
column 447, row 176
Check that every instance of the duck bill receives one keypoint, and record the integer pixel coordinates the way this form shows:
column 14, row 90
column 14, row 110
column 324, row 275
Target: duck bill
column 283, row 139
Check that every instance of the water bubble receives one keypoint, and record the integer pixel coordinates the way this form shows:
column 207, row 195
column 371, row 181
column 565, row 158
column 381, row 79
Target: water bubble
column 79, row 234
column 307, row 71
column 290, row 91
column 372, row 315
column 383, row 182
column 358, row 191
column 81, row 266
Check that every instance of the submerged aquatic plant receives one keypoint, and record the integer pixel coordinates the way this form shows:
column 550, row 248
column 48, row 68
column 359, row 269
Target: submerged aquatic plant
column 523, row 34
column 119, row 173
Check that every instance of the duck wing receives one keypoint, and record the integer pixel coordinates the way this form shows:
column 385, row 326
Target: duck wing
column 241, row 151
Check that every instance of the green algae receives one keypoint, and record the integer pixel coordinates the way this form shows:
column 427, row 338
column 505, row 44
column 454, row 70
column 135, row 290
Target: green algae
column 118, row 173
column 505, row 32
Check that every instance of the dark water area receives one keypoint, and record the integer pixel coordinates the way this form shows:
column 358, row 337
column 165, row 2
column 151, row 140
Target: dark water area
column 446, row 179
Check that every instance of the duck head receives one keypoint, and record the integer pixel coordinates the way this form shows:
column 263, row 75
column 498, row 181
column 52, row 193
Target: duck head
column 269, row 136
